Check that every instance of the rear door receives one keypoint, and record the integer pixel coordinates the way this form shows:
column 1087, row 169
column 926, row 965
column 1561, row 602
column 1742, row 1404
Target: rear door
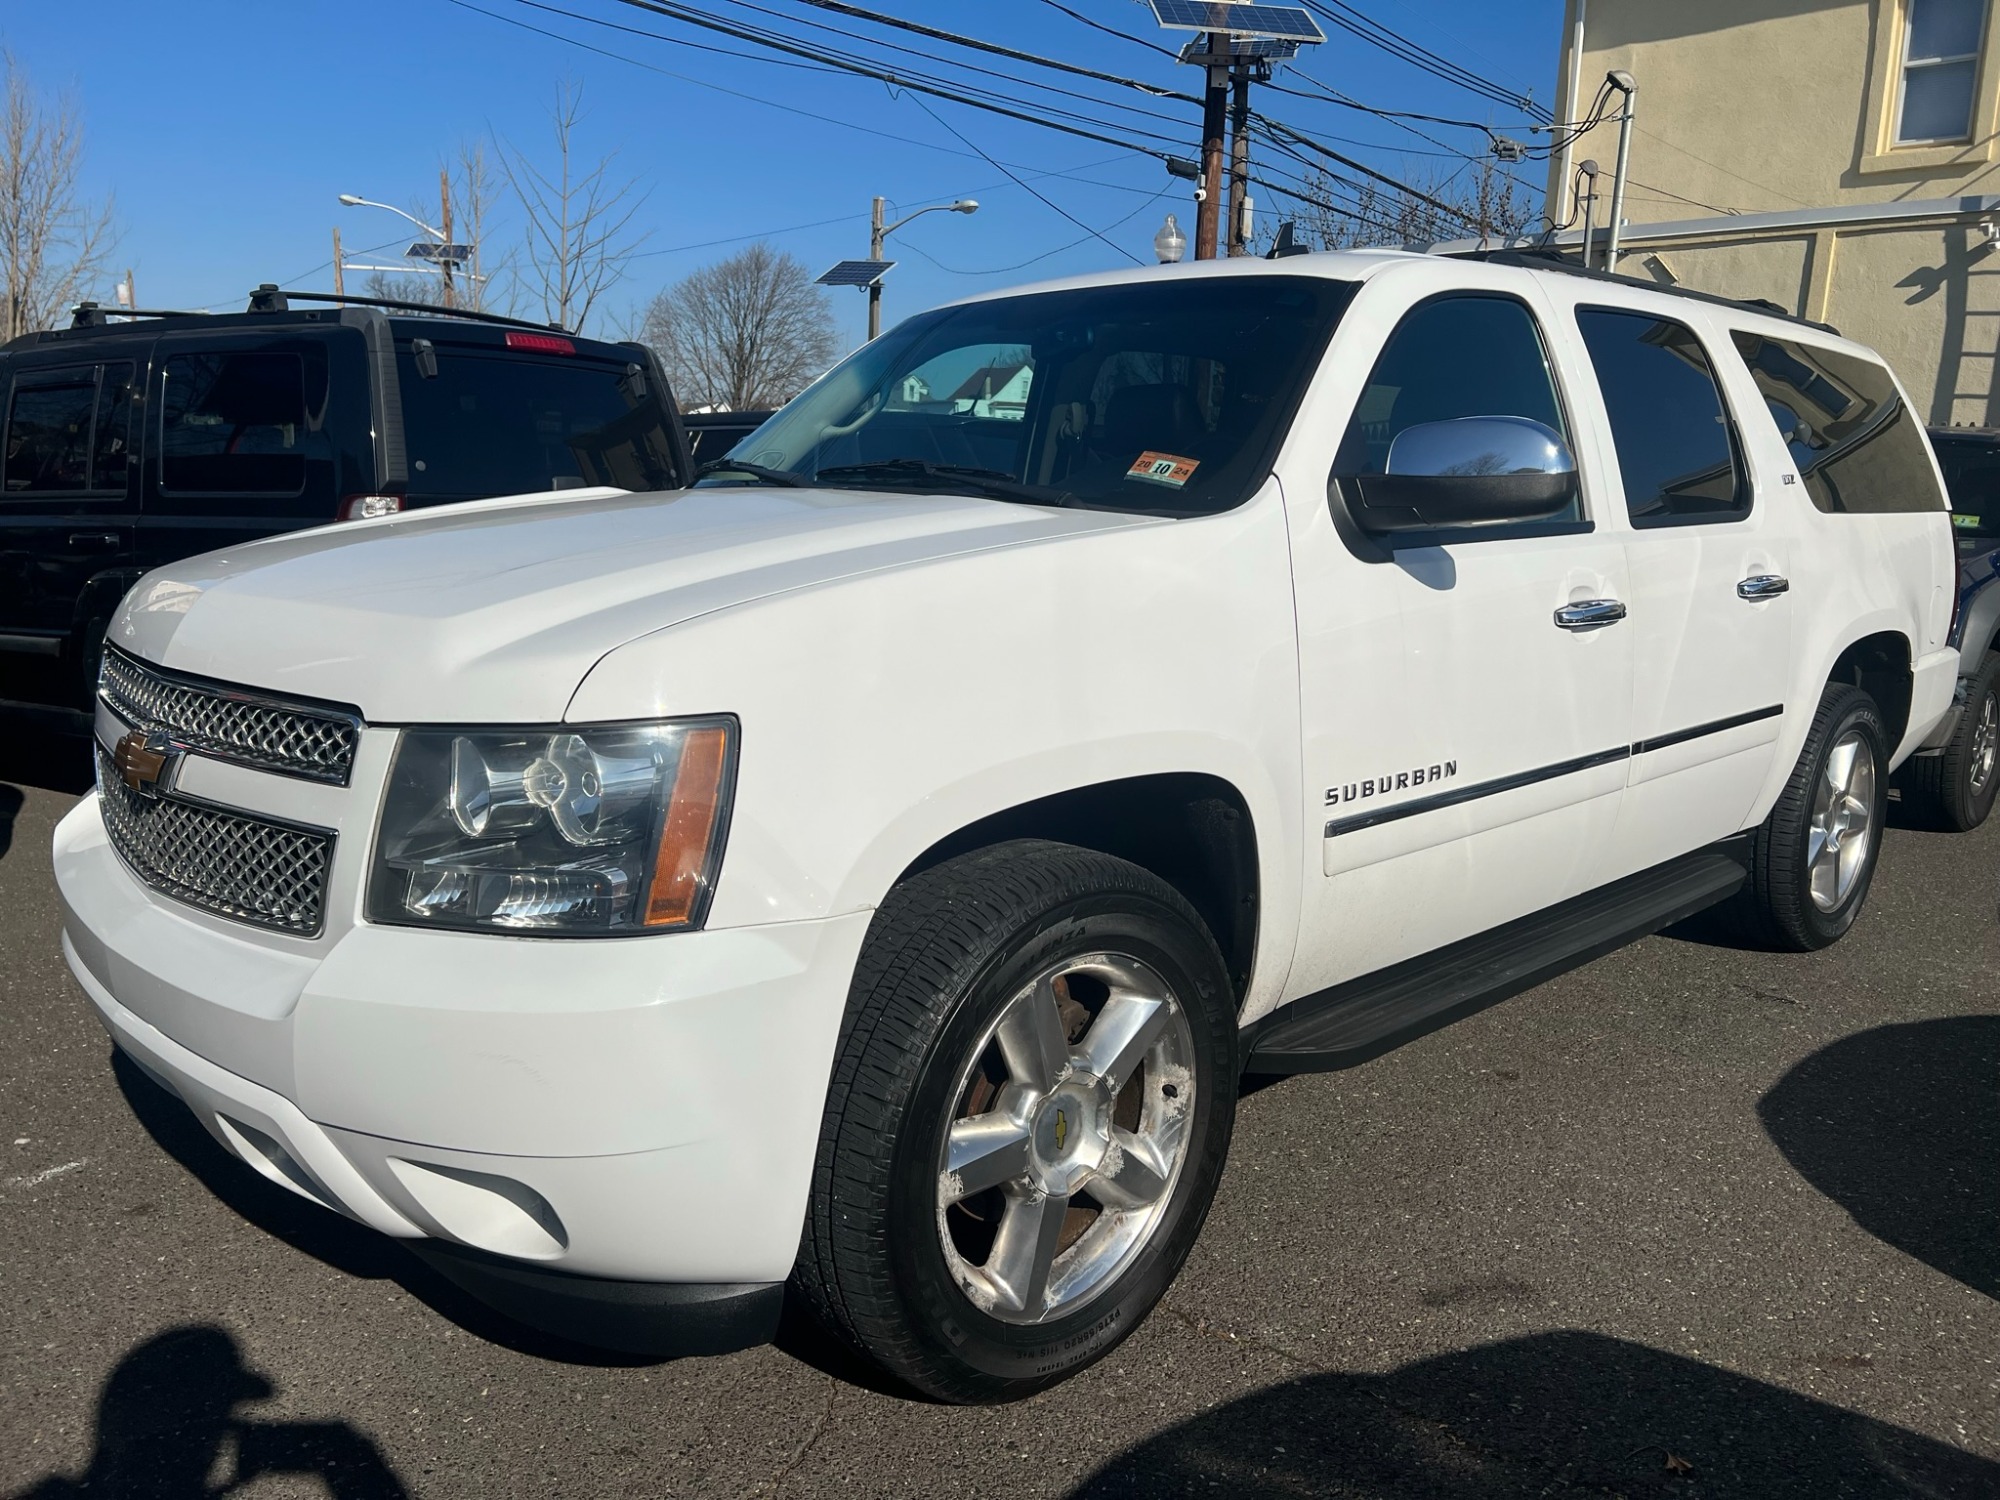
column 1709, row 548
column 67, row 513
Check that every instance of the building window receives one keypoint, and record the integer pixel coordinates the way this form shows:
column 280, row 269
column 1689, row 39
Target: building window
column 1940, row 69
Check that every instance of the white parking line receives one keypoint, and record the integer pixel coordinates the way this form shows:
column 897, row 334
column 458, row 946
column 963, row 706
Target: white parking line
column 36, row 1179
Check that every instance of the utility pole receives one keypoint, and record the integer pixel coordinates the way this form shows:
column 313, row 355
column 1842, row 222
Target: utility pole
column 1622, row 81
column 339, row 282
column 444, row 256
column 1239, row 161
column 875, row 253
column 1214, row 118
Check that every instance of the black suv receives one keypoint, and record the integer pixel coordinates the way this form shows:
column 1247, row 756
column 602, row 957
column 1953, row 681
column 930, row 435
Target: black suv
column 135, row 443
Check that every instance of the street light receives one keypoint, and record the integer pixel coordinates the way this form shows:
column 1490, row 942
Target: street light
column 878, row 232
column 353, row 200
column 1170, row 244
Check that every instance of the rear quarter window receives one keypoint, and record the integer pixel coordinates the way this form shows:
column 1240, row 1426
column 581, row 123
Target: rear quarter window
column 491, row 424
column 1859, row 449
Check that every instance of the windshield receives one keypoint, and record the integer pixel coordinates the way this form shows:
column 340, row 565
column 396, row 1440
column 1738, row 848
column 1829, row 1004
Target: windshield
column 1159, row 396
column 491, row 424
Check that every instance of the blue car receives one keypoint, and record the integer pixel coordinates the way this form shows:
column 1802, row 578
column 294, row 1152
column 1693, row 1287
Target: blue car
column 1951, row 782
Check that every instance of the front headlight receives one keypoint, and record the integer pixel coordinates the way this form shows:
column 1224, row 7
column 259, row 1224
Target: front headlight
column 575, row 830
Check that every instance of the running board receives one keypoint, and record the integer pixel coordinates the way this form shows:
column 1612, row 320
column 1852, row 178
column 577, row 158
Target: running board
column 1366, row 1017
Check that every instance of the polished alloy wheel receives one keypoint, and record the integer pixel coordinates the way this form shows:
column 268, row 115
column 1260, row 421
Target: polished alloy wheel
column 1068, row 1131
column 1985, row 743
column 1843, row 821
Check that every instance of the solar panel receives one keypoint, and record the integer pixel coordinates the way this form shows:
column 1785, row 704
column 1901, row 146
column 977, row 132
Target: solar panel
column 1236, row 19
column 857, row 273
column 432, row 250
column 1269, row 48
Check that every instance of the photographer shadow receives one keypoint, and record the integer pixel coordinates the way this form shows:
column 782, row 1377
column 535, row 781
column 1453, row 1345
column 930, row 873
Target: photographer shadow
column 170, row 1427
column 1900, row 1125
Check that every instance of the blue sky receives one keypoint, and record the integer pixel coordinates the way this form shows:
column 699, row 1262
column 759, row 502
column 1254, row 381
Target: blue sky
column 225, row 129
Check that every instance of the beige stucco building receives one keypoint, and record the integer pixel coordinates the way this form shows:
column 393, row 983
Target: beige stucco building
column 1838, row 157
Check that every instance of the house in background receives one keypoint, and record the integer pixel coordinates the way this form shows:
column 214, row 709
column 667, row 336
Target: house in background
column 1838, row 157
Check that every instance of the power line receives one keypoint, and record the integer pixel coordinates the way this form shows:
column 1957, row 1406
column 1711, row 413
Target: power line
column 1034, row 259
column 1018, row 182
column 1352, row 21
column 936, row 89
column 1137, row 41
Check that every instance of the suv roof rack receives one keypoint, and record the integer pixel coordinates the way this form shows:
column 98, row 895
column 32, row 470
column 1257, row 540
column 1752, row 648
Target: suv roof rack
column 1553, row 260
column 96, row 315
column 270, row 298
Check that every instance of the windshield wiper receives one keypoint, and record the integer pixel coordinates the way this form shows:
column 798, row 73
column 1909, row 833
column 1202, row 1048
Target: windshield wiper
column 989, row 482
column 755, row 471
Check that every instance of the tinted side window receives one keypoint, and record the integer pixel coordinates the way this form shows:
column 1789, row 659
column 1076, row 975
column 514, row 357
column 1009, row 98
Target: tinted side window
column 1467, row 356
column 113, row 442
column 241, row 422
column 48, row 433
column 1972, row 482
column 485, row 425
column 1676, row 453
column 1858, row 448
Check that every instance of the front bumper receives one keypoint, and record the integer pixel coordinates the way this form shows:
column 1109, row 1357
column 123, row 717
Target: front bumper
column 631, row 1110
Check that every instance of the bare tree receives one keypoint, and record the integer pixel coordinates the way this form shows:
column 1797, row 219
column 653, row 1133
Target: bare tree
column 1491, row 204
column 578, row 220
column 472, row 188
column 748, row 331
column 54, row 244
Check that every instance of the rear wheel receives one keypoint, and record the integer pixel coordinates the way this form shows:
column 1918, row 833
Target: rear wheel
column 1814, row 856
column 1029, row 1114
column 1954, row 789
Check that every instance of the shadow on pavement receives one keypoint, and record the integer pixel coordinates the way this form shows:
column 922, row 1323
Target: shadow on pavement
column 1552, row 1413
column 351, row 1248
column 1901, row 1127
column 168, row 1419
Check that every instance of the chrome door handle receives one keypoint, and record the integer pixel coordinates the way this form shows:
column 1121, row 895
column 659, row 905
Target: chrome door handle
column 94, row 541
column 1590, row 613
column 1762, row 586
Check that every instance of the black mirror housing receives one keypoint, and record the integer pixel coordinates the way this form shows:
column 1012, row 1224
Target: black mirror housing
column 1388, row 503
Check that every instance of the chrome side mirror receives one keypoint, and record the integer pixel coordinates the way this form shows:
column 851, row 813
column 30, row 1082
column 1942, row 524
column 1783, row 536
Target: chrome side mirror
column 1468, row 471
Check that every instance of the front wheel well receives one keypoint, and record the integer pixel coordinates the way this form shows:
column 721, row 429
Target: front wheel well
column 1880, row 666
column 1193, row 831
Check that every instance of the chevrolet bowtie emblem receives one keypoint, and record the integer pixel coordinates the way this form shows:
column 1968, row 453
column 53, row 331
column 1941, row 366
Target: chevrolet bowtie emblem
column 142, row 759
column 1062, row 1129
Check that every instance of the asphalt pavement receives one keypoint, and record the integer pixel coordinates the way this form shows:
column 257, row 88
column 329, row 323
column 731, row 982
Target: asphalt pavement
column 1690, row 1221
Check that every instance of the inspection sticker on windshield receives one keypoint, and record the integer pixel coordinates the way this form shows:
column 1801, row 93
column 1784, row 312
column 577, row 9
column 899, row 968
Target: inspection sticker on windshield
column 1163, row 468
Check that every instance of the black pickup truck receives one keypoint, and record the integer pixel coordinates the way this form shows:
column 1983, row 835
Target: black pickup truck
column 132, row 443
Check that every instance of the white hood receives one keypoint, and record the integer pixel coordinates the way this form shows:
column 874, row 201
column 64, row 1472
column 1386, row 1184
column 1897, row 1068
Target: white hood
column 493, row 612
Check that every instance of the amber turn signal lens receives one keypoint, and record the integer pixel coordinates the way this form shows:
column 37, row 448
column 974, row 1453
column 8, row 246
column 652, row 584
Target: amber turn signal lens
column 686, row 836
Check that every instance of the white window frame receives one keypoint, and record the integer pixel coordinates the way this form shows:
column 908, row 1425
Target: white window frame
column 1907, row 63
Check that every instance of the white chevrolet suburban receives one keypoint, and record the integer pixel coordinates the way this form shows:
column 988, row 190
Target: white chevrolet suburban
column 873, row 869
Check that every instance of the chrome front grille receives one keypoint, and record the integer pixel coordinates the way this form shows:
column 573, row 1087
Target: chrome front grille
column 315, row 741
column 237, row 865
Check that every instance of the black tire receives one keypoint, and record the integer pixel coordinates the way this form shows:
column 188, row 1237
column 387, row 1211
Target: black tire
column 945, row 953
column 1938, row 790
column 1776, row 908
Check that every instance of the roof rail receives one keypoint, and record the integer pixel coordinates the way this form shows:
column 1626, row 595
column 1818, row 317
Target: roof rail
column 270, row 298
column 1553, row 260
column 95, row 315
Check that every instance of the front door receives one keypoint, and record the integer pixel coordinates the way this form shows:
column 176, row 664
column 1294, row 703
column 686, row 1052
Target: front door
column 1464, row 725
